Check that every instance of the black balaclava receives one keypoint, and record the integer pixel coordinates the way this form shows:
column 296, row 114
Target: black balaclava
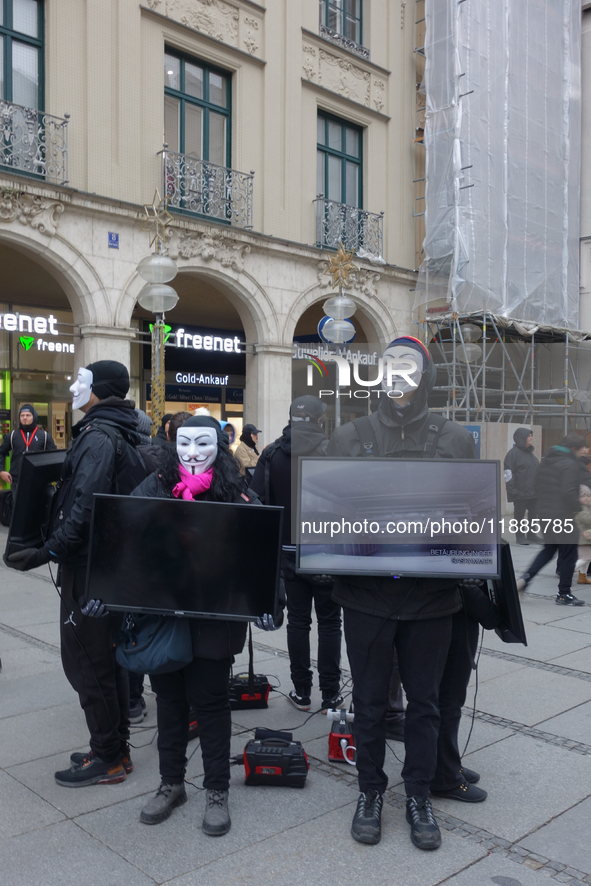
column 109, row 379
column 26, row 407
column 417, row 407
column 166, row 418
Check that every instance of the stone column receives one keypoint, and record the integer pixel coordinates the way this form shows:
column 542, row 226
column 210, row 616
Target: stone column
column 103, row 343
column 268, row 389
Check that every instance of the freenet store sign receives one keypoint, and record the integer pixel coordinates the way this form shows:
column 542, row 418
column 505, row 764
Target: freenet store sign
column 199, row 350
column 35, row 331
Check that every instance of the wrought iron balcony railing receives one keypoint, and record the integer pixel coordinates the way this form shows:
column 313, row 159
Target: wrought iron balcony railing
column 345, row 42
column 34, row 142
column 357, row 229
column 207, row 189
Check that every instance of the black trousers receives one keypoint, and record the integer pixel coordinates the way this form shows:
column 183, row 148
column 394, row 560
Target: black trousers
column 421, row 647
column 395, row 712
column 88, row 657
column 452, row 696
column 203, row 686
column 301, row 596
column 520, row 506
column 567, row 558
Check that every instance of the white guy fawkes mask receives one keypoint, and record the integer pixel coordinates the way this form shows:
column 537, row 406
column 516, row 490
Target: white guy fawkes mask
column 82, row 388
column 197, row 448
column 402, row 357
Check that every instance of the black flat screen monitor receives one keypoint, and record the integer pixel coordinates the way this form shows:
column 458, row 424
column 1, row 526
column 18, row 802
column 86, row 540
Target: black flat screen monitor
column 195, row 558
column 504, row 593
column 32, row 502
column 395, row 516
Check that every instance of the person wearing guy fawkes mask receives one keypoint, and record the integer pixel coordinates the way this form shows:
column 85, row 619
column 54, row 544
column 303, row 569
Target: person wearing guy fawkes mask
column 28, row 437
column 410, row 617
column 200, row 468
column 273, row 478
column 92, row 465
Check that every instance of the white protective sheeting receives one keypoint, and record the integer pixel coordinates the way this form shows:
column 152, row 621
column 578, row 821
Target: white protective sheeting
column 502, row 134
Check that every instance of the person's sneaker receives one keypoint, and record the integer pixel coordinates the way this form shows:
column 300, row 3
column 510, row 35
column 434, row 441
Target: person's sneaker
column 301, row 702
column 216, row 822
column 568, row 600
column 78, row 758
column 91, row 770
column 367, row 821
column 522, row 582
column 424, row 832
column 395, row 731
column 161, row 805
column 137, row 711
column 331, row 704
column 466, row 792
column 470, row 775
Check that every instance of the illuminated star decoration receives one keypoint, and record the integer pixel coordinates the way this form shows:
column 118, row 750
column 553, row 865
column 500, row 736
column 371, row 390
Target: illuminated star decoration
column 157, row 218
column 340, row 266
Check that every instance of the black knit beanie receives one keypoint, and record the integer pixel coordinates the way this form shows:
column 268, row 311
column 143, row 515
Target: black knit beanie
column 109, row 379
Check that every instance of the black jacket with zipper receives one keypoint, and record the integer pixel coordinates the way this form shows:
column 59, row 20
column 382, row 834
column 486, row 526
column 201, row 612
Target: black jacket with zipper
column 521, row 467
column 25, row 438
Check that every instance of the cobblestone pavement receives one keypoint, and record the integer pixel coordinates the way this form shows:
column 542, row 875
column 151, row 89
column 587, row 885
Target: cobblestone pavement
column 526, row 723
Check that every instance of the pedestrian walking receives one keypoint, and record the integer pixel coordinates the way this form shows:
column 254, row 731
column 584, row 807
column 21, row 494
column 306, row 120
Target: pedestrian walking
column 521, row 466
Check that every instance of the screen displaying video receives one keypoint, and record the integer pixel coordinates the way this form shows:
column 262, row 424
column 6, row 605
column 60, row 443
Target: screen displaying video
column 390, row 516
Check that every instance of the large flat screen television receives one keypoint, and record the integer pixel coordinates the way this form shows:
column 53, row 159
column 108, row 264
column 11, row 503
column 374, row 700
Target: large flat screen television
column 503, row 592
column 194, row 558
column 40, row 471
column 395, row 516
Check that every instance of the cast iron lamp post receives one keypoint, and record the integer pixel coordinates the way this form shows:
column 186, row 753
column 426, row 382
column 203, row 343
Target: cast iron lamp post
column 157, row 297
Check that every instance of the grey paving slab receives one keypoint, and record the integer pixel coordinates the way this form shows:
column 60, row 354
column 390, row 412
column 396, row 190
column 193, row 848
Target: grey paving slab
column 9, row 641
column 48, row 631
column 580, row 620
column 482, row 734
column 494, row 870
column 544, row 611
column 528, row 783
column 489, row 668
column 63, row 855
column 28, row 661
column 178, row 845
column 574, row 724
column 531, row 695
column 579, row 661
column 544, row 642
column 21, row 810
column 282, row 715
column 44, row 687
column 565, row 838
column 31, row 736
column 322, row 851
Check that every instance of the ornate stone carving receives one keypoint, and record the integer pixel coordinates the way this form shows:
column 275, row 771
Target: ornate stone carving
column 309, row 63
column 250, row 43
column 30, row 209
column 378, row 98
column 212, row 17
column 212, row 246
column 363, row 280
column 344, row 77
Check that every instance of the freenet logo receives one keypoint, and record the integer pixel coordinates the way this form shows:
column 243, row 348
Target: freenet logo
column 207, row 342
column 394, row 369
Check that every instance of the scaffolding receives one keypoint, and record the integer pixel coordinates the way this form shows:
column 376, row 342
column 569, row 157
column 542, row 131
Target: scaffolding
column 490, row 369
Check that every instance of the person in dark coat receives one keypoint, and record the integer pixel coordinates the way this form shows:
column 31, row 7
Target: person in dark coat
column 28, row 437
column 272, row 482
column 101, row 459
column 161, row 439
column 201, row 469
column 413, row 617
column 521, row 466
column 559, row 476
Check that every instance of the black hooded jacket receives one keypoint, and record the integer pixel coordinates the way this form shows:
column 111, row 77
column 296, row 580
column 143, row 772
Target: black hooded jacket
column 558, row 480
column 298, row 439
column 25, row 438
column 521, row 467
column 89, row 468
column 402, row 433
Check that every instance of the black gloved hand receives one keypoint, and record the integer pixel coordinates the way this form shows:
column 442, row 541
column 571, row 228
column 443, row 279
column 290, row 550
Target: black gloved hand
column 472, row 582
column 28, row 558
column 94, row 609
column 266, row 623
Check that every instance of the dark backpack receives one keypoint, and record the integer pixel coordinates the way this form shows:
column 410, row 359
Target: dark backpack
column 369, row 441
column 270, row 451
column 130, row 468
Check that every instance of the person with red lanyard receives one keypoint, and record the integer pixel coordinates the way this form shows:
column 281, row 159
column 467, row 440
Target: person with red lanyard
column 28, row 437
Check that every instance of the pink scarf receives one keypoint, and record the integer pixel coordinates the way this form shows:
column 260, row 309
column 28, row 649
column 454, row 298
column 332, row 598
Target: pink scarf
column 191, row 485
